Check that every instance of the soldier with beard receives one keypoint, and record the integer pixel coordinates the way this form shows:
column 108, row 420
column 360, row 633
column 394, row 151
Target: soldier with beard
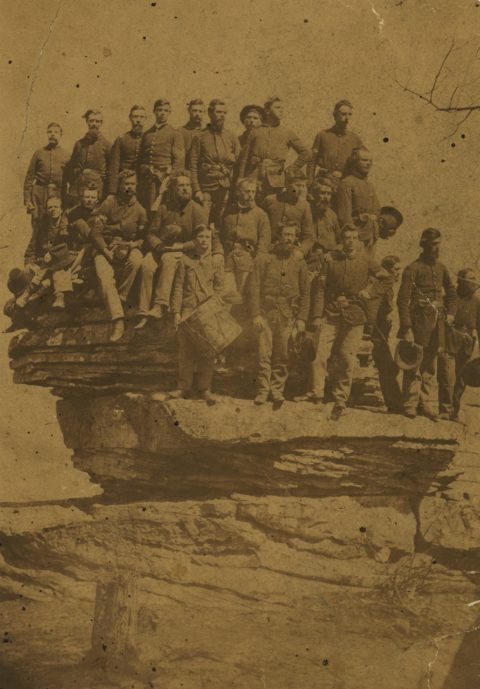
column 214, row 153
column 264, row 157
column 45, row 174
column 89, row 158
column 460, row 343
column 125, row 149
column 177, row 209
column 291, row 204
column 194, row 126
column 245, row 234
column 117, row 236
column 426, row 303
column 278, row 298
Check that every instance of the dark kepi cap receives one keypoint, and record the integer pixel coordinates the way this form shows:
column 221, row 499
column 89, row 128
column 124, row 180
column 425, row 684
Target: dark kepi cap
column 408, row 355
column 18, row 281
column 471, row 373
column 247, row 108
column 429, row 235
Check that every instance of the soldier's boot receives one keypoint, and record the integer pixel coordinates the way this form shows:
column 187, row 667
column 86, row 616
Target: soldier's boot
column 118, row 330
column 207, row 396
column 141, row 323
column 157, row 312
column 261, row 397
column 427, row 412
column 336, row 412
column 59, row 301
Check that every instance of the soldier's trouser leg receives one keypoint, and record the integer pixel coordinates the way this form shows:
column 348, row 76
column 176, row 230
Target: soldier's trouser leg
column 128, row 273
column 205, row 366
column 427, row 371
column 264, row 352
column 344, row 351
column 461, row 360
column 326, row 339
column 281, row 331
column 417, row 383
column 62, row 281
column 186, row 362
column 387, row 374
column 215, row 202
column 108, row 288
column 446, row 382
column 167, row 267
column 148, row 268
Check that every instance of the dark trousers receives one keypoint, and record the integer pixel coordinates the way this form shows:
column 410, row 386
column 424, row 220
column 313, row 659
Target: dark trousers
column 387, row 374
column 215, row 201
column 190, row 361
column 451, row 392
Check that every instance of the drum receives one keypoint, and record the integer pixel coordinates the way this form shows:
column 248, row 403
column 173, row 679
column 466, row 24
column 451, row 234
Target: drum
column 210, row 326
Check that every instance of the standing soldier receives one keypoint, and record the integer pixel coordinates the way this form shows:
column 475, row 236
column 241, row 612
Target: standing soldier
column 89, row 158
column 161, row 153
column 196, row 111
column 245, row 234
column 117, row 235
column 461, row 339
column 326, row 228
column 291, row 204
column 426, row 301
column 125, row 149
column 46, row 174
column 251, row 116
column 338, row 316
column 278, row 297
column 197, row 277
column 333, row 147
column 264, row 156
column 214, row 153
column 357, row 202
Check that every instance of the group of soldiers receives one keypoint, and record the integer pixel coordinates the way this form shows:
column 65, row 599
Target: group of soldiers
column 168, row 217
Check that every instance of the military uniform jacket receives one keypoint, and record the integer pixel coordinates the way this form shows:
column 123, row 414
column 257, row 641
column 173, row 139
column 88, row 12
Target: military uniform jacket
column 247, row 226
column 197, row 277
column 345, row 276
column 280, row 207
column 270, row 143
column 356, row 195
column 123, row 156
column 78, row 225
column 331, row 151
column 162, row 147
column 45, row 234
column 89, row 161
column 47, row 166
column 189, row 133
column 188, row 217
column 424, row 282
column 467, row 317
column 279, row 282
column 212, row 158
column 117, row 218
column 326, row 229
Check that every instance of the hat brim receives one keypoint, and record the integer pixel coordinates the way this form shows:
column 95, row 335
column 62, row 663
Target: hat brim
column 408, row 365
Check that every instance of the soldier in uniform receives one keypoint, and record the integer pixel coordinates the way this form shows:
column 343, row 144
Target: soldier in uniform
column 89, row 158
column 46, row 174
column 179, row 209
column 338, row 316
column 278, row 298
column 251, row 116
column 118, row 235
column 213, row 155
column 291, row 204
column 198, row 276
column 162, row 153
column 126, row 148
column 326, row 228
column 357, row 202
column 426, row 302
column 460, row 343
column 196, row 112
column 264, row 156
column 245, row 234
column 333, row 147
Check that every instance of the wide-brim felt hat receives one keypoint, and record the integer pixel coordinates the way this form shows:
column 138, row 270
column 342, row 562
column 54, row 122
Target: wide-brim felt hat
column 61, row 257
column 18, row 280
column 303, row 345
column 408, row 355
column 246, row 109
column 393, row 212
column 471, row 373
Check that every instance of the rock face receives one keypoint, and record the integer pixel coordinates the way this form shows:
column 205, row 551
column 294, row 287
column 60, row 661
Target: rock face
column 236, row 547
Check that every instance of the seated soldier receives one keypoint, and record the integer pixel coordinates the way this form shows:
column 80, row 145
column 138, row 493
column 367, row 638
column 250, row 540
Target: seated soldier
column 117, row 236
column 278, row 298
column 245, row 234
column 198, row 276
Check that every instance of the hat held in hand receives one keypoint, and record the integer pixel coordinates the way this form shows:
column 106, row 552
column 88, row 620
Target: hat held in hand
column 408, row 355
column 471, row 373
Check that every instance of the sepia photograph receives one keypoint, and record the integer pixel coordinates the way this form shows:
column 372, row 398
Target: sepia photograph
column 239, row 344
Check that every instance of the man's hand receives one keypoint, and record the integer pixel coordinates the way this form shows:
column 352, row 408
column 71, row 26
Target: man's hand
column 316, row 325
column 300, row 326
column 176, row 320
column 409, row 337
column 198, row 196
column 108, row 253
column 29, row 207
column 258, row 323
column 364, row 294
column 450, row 318
column 177, row 246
